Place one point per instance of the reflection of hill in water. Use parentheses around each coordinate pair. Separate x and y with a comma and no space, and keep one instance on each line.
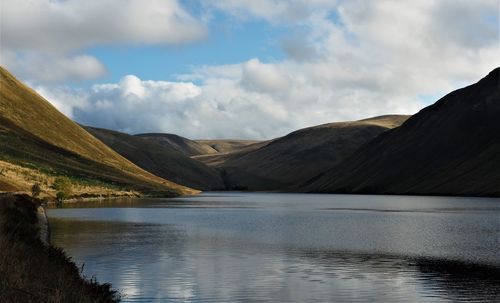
(456,281)
(168,262)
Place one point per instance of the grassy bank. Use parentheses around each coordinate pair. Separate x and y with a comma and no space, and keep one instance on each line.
(32,272)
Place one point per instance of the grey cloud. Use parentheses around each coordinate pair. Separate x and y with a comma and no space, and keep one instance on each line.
(60,26)
(46,68)
(467,24)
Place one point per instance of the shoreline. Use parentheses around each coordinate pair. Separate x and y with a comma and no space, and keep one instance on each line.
(34,270)
(43,225)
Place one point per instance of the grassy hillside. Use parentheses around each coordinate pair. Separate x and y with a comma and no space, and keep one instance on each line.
(34,134)
(300,155)
(17,178)
(228,146)
(160,159)
(449,148)
(183,145)
(197,147)
(219,158)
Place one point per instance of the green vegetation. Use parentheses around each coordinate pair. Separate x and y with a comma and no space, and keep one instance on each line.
(63,188)
(33,272)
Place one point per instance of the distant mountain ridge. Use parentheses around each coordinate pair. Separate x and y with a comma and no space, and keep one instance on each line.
(449,148)
(197,147)
(298,156)
(164,160)
(178,143)
(228,145)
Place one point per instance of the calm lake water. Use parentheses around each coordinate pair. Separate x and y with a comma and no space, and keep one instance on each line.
(270,247)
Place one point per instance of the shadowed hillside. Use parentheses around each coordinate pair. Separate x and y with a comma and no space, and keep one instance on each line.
(228,146)
(178,143)
(221,157)
(299,155)
(197,147)
(449,148)
(35,134)
(161,159)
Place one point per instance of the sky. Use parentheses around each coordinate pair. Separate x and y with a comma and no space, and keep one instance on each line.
(245,69)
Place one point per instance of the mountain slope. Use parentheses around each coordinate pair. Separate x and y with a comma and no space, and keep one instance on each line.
(229,152)
(178,143)
(161,160)
(33,133)
(197,147)
(302,154)
(449,148)
(228,146)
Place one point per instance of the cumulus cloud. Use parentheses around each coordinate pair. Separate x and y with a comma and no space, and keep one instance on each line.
(235,102)
(36,34)
(345,60)
(260,77)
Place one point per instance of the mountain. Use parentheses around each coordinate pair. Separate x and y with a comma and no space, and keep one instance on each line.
(163,160)
(36,135)
(229,152)
(228,146)
(197,147)
(449,148)
(178,143)
(300,155)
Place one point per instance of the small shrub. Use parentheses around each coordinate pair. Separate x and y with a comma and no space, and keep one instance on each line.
(63,187)
(36,190)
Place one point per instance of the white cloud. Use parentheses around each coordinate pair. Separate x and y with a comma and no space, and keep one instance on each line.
(260,77)
(65,99)
(346,60)
(46,68)
(41,39)
(223,106)
(130,86)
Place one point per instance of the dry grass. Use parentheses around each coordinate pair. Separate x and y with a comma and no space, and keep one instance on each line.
(227,146)
(15,178)
(32,272)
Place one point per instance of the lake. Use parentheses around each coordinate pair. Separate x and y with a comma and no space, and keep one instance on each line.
(274,247)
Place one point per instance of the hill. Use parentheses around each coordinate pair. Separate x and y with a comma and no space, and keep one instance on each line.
(36,135)
(300,155)
(449,148)
(178,143)
(228,146)
(163,160)
(220,157)
(197,147)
